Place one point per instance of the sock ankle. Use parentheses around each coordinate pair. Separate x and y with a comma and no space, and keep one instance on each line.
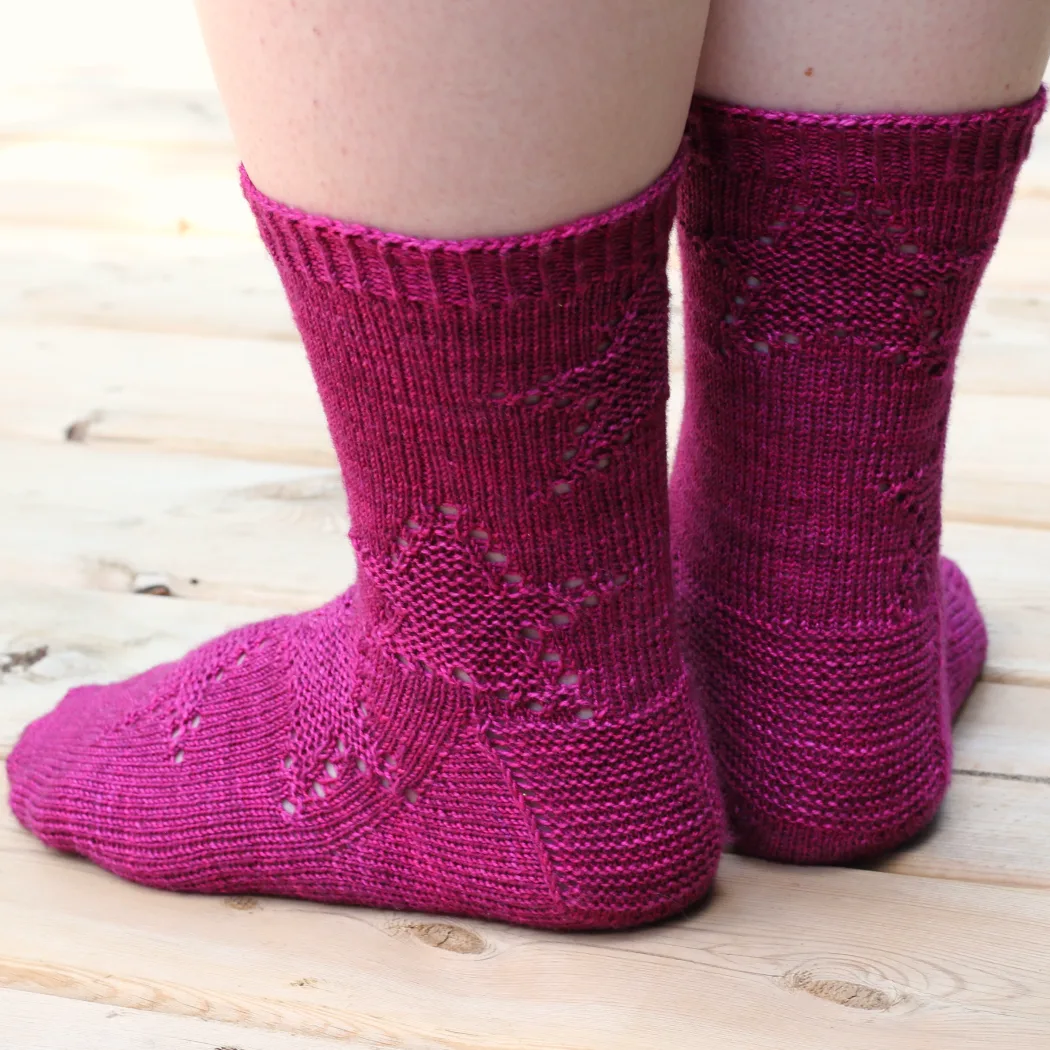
(829,264)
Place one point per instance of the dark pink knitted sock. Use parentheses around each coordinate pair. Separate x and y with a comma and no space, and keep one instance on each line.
(830,263)
(494,720)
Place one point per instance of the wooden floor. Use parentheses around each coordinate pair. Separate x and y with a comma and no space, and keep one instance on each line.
(159,433)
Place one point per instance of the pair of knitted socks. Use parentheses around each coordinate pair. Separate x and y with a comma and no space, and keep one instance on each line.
(497,719)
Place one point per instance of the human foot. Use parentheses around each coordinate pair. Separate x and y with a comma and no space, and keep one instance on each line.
(495,720)
(829,266)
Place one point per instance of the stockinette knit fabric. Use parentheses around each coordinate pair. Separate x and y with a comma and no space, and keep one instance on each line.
(495,720)
(829,266)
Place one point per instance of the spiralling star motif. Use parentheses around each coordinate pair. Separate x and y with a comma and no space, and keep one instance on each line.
(448,604)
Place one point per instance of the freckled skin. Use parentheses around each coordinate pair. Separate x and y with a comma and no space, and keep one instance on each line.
(896,56)
(446,118)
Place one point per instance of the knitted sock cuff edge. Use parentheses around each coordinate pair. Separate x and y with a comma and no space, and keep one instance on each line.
(558,263)
(881,147)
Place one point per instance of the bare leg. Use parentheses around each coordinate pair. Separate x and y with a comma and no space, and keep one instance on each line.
(455,119)
(853,56)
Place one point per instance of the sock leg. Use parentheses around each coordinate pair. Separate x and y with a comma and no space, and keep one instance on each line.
(495,719)
(830,263)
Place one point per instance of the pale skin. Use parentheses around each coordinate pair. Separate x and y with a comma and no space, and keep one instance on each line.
(465,118)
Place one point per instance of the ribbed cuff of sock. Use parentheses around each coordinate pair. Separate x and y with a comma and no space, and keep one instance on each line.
(558,263)
(844,148)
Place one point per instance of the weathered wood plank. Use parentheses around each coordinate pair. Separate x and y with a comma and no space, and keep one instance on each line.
(780,959)
(34,1021)
(1010,571)
(192,286)
(224,530)
(990,829)
(1005,730)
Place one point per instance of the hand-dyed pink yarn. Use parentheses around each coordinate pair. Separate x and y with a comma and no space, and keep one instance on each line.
(830,263)
(495,720)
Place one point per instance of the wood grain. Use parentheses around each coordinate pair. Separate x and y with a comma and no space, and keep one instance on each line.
(779,959)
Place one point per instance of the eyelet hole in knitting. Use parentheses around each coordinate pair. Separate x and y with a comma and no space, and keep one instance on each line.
(479,535)
(730,319)
(177,733)
(909,249)
(287,761)
(560,619)
(385,782)
(574,583)
(532,398)
(219,675)
(551,657)
(585,714)
(362,765)
(331,771)
(503,693)
(900,358)
(602,463)
(568,454)
(739,300)
(562,488)
(791,340)
(195,722)
(562,402)
(546,378)
(753,282)
(495,557)
(933,335)
(288,806)
(411,795)
(590,599)
(412,525)
(569,678)
(512,579)
(918,291)
(498,395)
(462,676)
(534,706)
(884,486)
(447,510)
(241,657)
(604,345)
(591,404)
(340,746)
(318,789)
(760,347)
(581,428)
(764,239)
(179,756)
(530,634)
(624,438)
(620,579)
